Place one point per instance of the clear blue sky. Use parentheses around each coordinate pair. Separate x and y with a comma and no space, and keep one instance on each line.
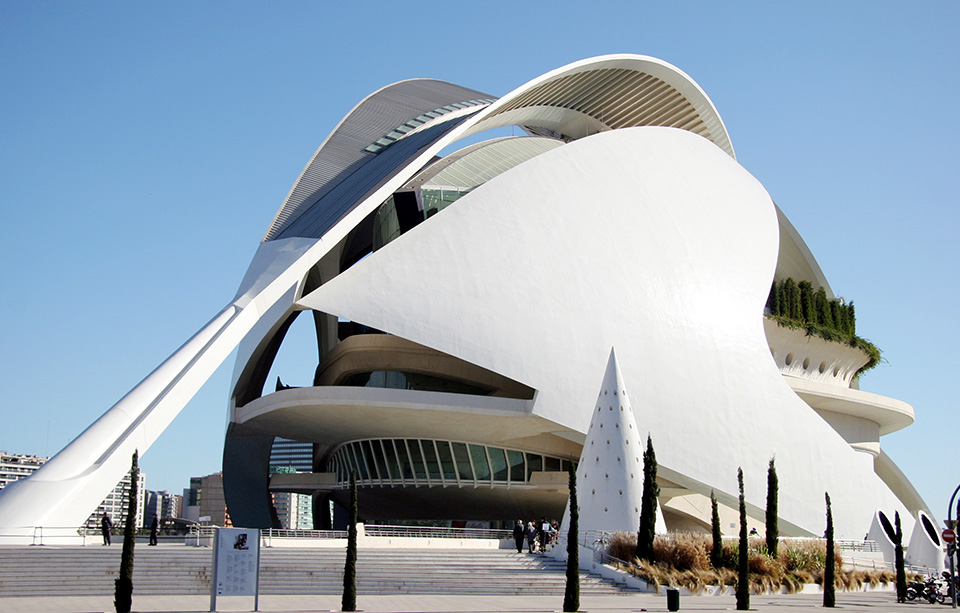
(145,147)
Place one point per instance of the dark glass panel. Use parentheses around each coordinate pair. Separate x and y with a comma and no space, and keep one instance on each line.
(430,456)
(515,459)
(462,457)
(498,463)
(446,460)
(416,458)
(480,464)
(534,463)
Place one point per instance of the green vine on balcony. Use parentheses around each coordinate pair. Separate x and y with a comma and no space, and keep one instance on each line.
(796,305)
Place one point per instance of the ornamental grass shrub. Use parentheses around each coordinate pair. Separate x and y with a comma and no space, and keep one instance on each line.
(682,559)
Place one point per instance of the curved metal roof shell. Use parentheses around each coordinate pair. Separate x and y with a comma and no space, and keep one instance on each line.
(606,93)
(478,163)
(344,150)
(582,98)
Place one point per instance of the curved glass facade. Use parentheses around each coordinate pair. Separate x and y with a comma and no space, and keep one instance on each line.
(402,462)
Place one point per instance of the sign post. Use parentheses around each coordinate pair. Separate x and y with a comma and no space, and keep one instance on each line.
(236,565)
(952,548)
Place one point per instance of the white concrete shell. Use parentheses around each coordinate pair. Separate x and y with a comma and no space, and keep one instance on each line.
(510,301)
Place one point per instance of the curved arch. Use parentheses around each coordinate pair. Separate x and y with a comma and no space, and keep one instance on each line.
(343,152)
(607,93)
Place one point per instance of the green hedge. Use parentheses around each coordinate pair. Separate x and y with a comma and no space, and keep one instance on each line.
(797,306)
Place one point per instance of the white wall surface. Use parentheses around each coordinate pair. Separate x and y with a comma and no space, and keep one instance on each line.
(648,239)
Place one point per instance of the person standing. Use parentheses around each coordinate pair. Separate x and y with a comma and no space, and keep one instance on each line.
(105,526)
(518,534)
(154,529)
(531,536)
(541,536)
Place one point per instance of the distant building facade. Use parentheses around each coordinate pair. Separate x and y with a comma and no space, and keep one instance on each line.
(14,466)
(293,454)
(204,499)
(115,504)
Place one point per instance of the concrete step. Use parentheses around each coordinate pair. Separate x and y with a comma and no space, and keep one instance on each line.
(172,569)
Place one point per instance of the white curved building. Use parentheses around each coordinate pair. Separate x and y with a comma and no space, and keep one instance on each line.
(465,306)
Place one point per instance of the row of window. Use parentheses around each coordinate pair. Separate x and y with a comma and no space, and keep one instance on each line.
(429,462)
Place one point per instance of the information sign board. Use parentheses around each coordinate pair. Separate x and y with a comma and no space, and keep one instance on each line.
(236,563)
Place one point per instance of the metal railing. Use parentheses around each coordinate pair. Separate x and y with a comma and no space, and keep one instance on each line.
(865,546)
(437,532)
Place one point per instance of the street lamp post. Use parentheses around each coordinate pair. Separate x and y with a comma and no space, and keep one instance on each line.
(952,548)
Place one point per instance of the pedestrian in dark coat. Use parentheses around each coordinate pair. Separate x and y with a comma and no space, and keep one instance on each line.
(518,534)
(105,525)
(154,529)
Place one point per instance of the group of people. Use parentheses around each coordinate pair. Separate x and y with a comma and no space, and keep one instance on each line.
(106,525)
(537,534)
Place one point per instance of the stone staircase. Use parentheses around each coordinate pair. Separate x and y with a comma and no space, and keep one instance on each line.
(182,570)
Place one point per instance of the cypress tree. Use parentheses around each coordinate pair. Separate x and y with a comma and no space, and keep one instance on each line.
(807,311)
(716,554)
(123,587)
(851,319)
(743,561)
(773,300)
(349,600)
(822,306)
(773,530)
(571,593)
(782,297)
(835,315)
(648,504)
(829,581)
(898,560)
(792,292)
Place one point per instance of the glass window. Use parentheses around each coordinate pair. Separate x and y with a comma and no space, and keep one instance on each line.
(358,463)
(430,456)
(374,459)
(498,463)
(463,461)
(446,460)
(416,458)
(551,464)
(389,458)
(534,463)
(515,459)
(480,464)
(404,460)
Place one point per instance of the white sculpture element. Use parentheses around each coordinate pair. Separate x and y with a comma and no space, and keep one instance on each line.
(883,533)
(610,472)
(925,548)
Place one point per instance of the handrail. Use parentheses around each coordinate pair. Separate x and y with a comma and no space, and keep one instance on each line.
(437,532)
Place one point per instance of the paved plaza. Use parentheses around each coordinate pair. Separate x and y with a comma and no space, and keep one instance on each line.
(408,603)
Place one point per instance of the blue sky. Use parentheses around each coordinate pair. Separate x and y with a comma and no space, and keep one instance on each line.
(145,147)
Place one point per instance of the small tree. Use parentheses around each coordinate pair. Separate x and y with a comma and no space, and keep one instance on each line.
(773,531)
(571,593)
(716,554)
(898,560)
(773,300)
(648,504)
(807,311)
(792,308)
(349,601)
(743,562)
(829,585)
(123,587)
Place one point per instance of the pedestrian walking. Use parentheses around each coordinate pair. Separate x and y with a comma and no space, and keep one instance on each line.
(105,526)
(154,529)
(518,534)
